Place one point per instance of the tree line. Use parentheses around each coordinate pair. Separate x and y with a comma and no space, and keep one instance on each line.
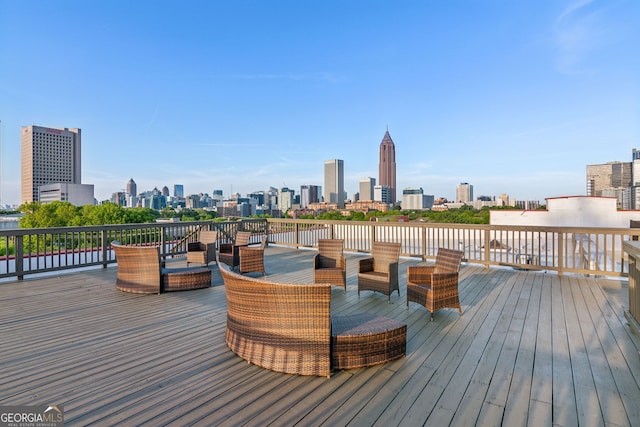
(64,214)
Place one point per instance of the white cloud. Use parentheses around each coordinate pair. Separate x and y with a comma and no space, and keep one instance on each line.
(578,32)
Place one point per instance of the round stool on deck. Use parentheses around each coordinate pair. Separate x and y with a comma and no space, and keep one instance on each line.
(364,339)
(183,279)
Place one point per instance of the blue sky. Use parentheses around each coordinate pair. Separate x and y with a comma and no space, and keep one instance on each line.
(512,96)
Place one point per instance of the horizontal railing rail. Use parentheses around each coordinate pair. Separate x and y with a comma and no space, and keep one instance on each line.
(579,250)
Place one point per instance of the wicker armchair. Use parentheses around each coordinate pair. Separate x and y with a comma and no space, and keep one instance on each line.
(379,272)
(140,271)
(229,253)
(330,265)
(436,286)
(252,258)
(204,250)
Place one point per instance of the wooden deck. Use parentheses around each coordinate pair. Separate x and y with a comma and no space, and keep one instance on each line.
(530,349)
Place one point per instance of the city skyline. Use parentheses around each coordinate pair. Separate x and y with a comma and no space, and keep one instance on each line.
(512,97)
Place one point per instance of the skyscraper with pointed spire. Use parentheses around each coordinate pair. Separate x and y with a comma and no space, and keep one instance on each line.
(387,167)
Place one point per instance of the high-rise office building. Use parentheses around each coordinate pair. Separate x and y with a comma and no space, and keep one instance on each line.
(382,193)
(413,198)
(608,176)
(464,193)
(132,188)
(178,190)
(366,188)
(49,156)
(285,199)
(334,182)
(309,194)
(387,167)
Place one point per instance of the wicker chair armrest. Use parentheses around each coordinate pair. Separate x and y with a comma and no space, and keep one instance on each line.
(365,265)
(393,269)
(322,261)
(249,250)
(441,281)
(420,273)
(225,247)
(317,261)
(236,248)
(195,246)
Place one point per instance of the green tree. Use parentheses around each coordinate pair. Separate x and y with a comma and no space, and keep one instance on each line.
(140,215)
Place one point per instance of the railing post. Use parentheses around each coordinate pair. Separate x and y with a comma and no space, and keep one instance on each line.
(266,229)
(296,236)
(632,315)
(373,236)
(104,247)
(487,247)
(561,262)
(424,242)
(163,243)
(19,257)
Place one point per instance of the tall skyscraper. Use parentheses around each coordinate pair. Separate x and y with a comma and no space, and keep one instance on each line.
(334,182)
(49,156)
(178,190)
(309,194)
(464,193)
(132,188)
(387,167)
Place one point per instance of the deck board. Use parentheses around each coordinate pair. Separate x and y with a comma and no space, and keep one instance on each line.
(530,348)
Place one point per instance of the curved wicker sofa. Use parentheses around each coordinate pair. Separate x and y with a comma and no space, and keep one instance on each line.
(288,328)
(140,271)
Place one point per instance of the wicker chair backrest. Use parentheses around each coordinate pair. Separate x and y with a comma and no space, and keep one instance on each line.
(207,236)
(332,248)
(448,261)
(138,267)
(384,254)
(242,238)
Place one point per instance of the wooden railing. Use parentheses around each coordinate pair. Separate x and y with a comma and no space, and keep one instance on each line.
(633,314)
(596,251)
(561,249)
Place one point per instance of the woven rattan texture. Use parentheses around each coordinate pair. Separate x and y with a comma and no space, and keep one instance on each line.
(282,327)
(204,250)
(252,258)
(330,265)
(364,339)
(436,286)
(379,272)
(140,271)
(229,253)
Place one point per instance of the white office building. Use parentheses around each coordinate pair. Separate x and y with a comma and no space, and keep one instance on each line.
(464,193)
(76,194)
(382,193)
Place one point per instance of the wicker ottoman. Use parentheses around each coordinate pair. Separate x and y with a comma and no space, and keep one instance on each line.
(365,339)
(184,279)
